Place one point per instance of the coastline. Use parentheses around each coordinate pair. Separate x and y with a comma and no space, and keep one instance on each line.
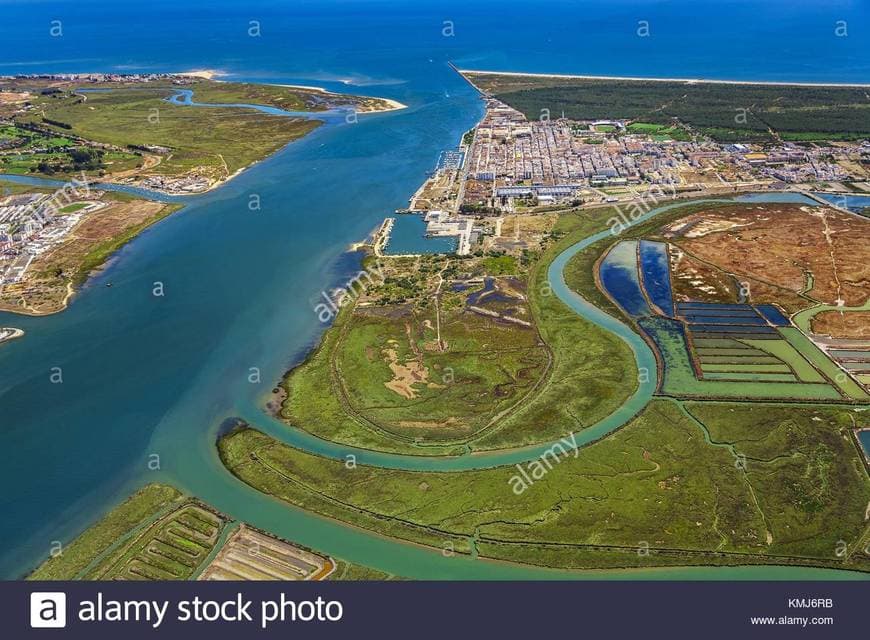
(8,334)
(205,74)
(394,105)
(77,284)
(558,76)
(73,288)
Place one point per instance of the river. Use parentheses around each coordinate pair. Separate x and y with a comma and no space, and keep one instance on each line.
(195,467)
(149,376)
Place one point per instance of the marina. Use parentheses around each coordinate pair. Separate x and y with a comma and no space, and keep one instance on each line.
(150,378)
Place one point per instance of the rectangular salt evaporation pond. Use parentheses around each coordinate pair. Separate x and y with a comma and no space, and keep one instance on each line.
(783,197)
(619,276)
(409,236)
(732,328)
(724,319)
(858,204)
(714,307)
(773,315)
(864,438)
(716,313)
(656,270)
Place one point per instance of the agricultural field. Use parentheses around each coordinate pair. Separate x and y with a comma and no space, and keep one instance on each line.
(800,113)
(158,533)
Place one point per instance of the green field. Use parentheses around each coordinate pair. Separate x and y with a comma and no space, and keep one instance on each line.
(41,151)
(72,208)
(664,480)
(659,131)
(146,504)
(221,139)
(485,368)
(492,366)
(172,548)
(794,112)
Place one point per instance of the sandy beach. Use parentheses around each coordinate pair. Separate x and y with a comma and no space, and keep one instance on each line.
(641,79)
(394,105)
(10,333)
(207,74)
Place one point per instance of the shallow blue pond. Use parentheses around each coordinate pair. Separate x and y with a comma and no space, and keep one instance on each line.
(620,278)
(657,274)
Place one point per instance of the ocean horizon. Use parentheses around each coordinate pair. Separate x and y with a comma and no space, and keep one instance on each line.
(144,378)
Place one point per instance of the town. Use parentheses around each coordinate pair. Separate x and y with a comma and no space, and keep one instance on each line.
(33,223)
(509,164)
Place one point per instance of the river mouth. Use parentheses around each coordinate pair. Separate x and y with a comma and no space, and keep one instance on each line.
(189,458)
(206,356)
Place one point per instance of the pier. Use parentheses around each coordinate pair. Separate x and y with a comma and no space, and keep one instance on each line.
(382,236)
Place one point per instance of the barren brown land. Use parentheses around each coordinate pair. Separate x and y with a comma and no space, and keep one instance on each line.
(839,324)
(249,554)
(817,252)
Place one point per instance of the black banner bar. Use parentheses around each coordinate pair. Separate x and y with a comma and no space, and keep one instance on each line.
(417,610)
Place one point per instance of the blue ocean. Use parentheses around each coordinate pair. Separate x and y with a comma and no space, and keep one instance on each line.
(146,375)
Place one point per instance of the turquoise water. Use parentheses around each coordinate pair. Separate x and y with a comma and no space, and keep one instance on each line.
(145,375)
(409,236)
(796,198)
(184,97)
(858,204)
